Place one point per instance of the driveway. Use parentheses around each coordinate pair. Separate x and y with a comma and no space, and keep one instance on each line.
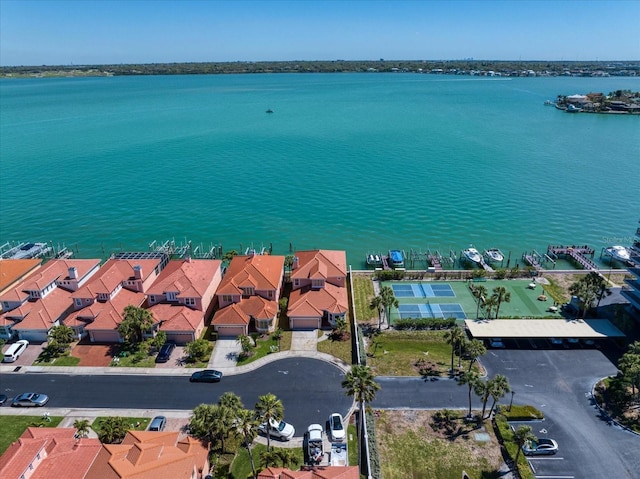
(225,354)
(304,340)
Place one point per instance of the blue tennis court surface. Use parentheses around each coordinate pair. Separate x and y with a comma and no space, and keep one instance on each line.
(422,290)
(427,310)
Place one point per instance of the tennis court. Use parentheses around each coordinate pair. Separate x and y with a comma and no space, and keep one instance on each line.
(428,310)
(422,290)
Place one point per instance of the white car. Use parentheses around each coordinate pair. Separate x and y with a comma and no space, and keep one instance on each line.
(336,427)
(278,429)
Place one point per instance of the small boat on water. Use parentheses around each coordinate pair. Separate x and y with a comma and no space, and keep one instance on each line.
(396,258)
(269,111)
(571,108)
(374,259)
(494,255)
(472,255)
(619,253)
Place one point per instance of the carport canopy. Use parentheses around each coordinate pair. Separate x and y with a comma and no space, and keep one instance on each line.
(543,328)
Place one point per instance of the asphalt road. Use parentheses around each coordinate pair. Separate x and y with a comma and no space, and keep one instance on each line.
(309,389)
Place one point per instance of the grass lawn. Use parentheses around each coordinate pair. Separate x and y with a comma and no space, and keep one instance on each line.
(12,427)
(60,361)
(363,294)
(339,349)
(410,447)
(352,441)
(398,352)
(264,345)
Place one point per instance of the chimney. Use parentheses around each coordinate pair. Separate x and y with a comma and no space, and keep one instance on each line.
(137,272)
(73,272)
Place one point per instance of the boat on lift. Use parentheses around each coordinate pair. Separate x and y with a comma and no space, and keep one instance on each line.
(619,253)
(494,255)
(396,258)
(472,255)
(374,259)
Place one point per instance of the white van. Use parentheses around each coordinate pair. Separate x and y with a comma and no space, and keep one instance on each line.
(14,351)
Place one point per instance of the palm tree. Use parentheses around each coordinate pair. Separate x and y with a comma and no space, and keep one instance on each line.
(376,304)
(211,422)
(82,427)
(269,459)
(454,337)
(246,425)
(489,304)
(471,379)
(501,295)
(480,293)
(388,301)
(499,388)
(360,383)
(521,436)
(269,408)
(135,321)
(474,349)
(232,401)
(113,430)
(287,457)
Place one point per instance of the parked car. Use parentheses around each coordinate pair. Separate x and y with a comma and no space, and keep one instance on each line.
(496,343)
(542,446)
(336,427)
(14,351)
(315,444)
(158,423)
(278,429)
(556,342)
(206,376)
(3,399)
(30,400)
(165,352)
(573,342)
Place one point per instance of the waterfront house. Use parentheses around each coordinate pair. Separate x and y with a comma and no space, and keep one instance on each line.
(98,305)
(248,295)
(44,452)
(319,295)
(311,472)
(183,297)
(43,299)
(151,455)
(14,271)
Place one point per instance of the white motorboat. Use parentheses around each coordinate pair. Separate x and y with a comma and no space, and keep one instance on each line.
(494,255)
(619,253)
(472,255)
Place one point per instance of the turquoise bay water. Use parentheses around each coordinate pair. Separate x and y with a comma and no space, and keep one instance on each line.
(361,162)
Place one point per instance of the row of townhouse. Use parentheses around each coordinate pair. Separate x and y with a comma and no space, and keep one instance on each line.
(182,295)
(44,453)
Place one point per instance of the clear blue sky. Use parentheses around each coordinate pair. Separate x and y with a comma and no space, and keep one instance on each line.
(54,32)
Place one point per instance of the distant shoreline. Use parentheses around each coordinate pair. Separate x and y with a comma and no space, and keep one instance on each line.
(452,67)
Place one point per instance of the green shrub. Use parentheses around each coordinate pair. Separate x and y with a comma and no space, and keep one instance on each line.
(421,324)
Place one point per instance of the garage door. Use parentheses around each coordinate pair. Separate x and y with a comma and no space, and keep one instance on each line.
(232,331)
(304,323)
(180,338)
(104,336)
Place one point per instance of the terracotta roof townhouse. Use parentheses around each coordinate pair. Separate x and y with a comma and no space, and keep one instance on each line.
(151,455)
(45,453)
(248,295)
(311,472)
(319,295)
(183,296)
(98,305)
(43,299)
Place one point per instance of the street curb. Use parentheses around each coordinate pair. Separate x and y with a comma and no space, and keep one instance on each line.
(604,413)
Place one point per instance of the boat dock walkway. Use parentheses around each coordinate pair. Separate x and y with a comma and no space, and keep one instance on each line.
(577,253)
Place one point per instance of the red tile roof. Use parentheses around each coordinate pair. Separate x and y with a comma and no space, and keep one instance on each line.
(262,272)
(109,313)
(176,317)
(113,273)
(189,278)
(239,313)
(311,472)
(61,455)
(320,264)
(150,455)
(313,302)
(42,314)
(12,270)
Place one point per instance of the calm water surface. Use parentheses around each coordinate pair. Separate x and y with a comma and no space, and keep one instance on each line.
(361,162)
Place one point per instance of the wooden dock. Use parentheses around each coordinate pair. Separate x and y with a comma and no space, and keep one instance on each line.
(577,253)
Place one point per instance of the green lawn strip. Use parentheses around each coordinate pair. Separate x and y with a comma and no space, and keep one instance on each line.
(339,349)
(363,293)
(397,353)
(352,441)
(135,423)
(413,453)
(241,467)
(12,427)
(59,361)
(504,429)
(135,361)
